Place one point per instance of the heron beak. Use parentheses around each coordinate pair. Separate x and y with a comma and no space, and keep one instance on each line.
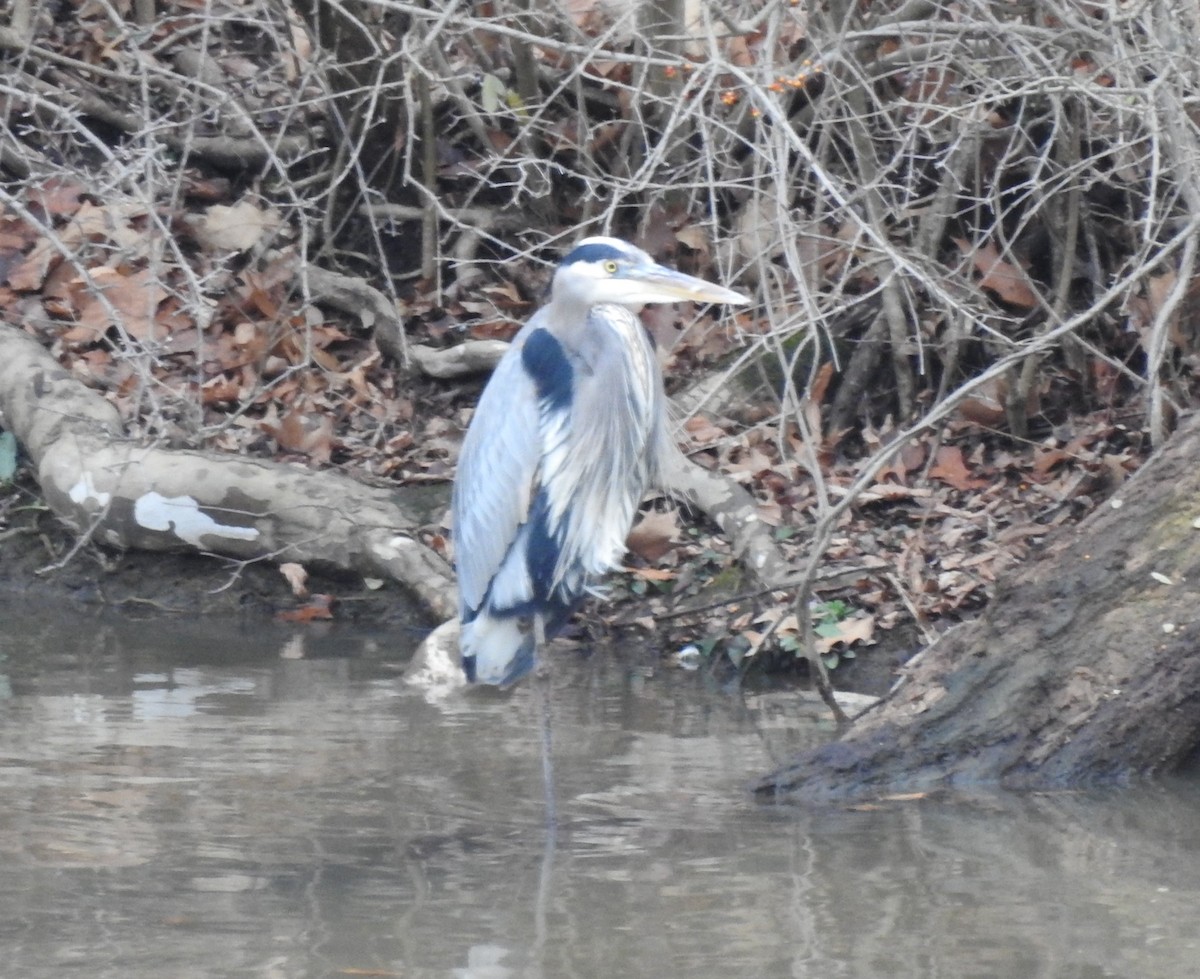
(675,287)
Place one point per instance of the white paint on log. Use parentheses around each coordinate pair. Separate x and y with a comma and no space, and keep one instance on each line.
(182,515)
(86,490)
(392,548)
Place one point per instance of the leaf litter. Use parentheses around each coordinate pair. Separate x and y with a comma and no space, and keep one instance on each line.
(253,369)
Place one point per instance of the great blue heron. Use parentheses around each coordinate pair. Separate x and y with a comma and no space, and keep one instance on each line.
(568,433)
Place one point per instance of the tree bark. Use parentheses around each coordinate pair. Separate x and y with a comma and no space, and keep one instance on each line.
(1085,668)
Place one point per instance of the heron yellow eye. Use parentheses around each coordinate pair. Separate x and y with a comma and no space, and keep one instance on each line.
(610,267)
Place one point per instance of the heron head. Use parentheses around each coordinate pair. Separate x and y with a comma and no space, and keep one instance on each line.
(608,270)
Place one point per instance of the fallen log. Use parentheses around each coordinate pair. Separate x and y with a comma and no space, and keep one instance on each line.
(130,495)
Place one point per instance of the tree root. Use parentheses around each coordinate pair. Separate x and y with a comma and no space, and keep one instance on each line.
(472,357)
(358,298)
(732,509)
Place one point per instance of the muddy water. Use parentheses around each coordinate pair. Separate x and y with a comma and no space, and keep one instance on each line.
(185,800)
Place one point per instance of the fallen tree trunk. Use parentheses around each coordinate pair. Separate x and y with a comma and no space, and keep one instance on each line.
(1085,668)
(129,495)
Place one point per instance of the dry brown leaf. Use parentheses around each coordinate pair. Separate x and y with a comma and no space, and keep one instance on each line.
(505,295)
(820,384)
(318,607)
(849,631)
(703,431)
(305,432)
(986,406)
(206,189)
(1008,281)
(653,574)
(952,470)
(786,623)
(654,535)
(695,237)
(15,236)
(769,512)
(111,222)
(29,274)
(891,492)
(134,298)
(58,196)
(913,454)
(236,227)
(1047,459)
(1158,289)
(248,342)
(219,390)
(748,464)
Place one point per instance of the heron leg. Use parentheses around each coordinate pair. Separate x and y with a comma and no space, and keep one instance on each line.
(540,668)
(541,683)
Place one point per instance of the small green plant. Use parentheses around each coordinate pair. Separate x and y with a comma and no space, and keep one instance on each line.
(827,615)
(827,618)
(827,623)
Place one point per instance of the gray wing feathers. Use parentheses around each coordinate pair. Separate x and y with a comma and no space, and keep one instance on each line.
(497,467)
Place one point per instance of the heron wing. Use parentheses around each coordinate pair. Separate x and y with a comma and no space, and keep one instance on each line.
(496,471)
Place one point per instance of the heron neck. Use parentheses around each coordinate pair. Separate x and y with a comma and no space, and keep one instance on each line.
(568,317)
